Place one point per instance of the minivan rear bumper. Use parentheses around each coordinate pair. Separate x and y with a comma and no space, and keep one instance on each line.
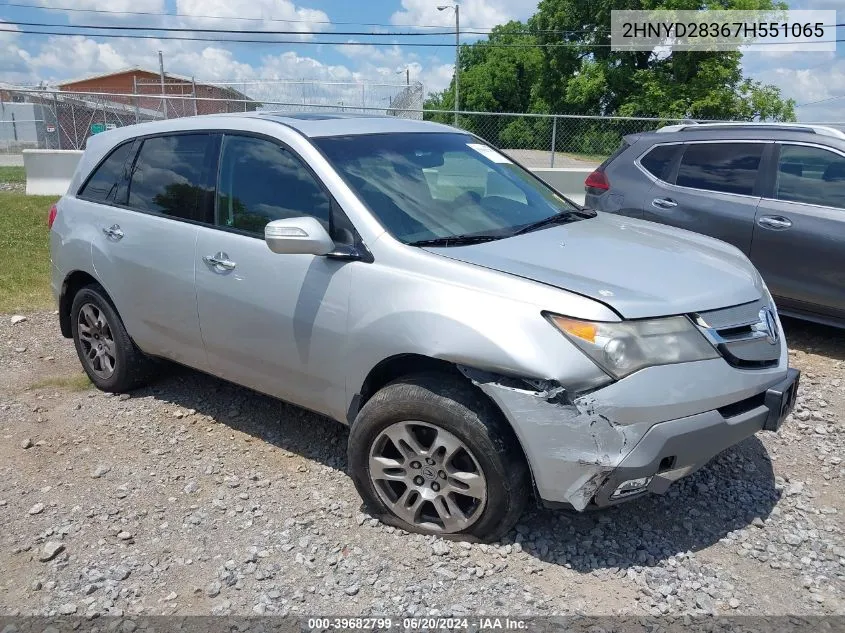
(581,452)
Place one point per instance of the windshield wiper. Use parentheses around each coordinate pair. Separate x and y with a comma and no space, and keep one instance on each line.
(457,240)
(558,218)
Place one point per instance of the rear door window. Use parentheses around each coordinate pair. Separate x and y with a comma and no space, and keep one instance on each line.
(656,161)
(811,175)
(171,176)
(106,179)
(722,167)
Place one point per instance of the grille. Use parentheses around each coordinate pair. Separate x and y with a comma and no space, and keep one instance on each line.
(747,335)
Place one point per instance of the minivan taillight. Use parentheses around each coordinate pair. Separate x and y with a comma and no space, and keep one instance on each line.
(597,182)
(51,217)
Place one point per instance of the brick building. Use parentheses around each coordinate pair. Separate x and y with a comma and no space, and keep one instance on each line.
(210,99)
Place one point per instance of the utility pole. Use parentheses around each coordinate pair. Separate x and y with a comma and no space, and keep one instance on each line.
(407,75)
(161,78)
(457,9)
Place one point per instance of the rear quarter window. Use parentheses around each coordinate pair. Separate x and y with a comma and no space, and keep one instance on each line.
(656,161)
(107,177)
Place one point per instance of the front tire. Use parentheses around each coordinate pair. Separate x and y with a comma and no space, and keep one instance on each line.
(108,355)
(430,454)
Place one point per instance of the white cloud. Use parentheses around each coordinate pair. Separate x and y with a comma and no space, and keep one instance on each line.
(480,14)
(262,15)
(822,82)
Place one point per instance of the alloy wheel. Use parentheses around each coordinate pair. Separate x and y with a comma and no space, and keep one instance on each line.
(96,340)
(427,476)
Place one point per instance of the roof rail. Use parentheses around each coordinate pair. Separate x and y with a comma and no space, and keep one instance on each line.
(797,127)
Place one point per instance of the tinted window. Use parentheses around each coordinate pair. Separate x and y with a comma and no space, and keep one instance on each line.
(170,176)
(429,186)
(726,167)
(260,182)
(657,160)
(811,175)
(103,183)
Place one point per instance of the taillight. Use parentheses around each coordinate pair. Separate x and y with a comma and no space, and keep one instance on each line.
(51,217)
(597,182)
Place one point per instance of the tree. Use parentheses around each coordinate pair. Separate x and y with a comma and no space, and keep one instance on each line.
(586,77)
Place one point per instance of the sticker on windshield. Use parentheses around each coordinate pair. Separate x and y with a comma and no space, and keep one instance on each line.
(489,153)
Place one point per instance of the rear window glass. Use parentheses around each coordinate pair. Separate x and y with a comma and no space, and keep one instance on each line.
(105,180)
(722,167)
(170,177)
(811,175)
(656,161)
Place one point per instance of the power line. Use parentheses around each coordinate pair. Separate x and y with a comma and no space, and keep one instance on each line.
(467,31)
(223,17)
(298,42)
(112,27)
(809,103)
(575,45)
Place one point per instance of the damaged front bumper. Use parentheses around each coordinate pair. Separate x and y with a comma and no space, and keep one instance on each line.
(639,434)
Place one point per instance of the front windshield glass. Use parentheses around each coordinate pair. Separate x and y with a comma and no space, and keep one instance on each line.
(439,186)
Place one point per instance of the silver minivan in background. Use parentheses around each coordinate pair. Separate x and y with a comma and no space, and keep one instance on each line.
(486,340)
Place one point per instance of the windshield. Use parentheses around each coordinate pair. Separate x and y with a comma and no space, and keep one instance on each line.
(443,187)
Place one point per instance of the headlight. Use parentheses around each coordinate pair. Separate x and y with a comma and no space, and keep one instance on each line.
(622,348)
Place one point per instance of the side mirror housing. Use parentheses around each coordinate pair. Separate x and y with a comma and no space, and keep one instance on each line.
(298,236)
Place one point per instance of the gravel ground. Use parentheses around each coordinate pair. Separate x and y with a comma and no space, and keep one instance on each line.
(195,496)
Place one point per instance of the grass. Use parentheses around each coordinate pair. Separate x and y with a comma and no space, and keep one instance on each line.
(74,382)
(25,252)
(12,174)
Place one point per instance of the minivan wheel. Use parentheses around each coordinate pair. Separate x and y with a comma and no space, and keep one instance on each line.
(108,355)
(430,454)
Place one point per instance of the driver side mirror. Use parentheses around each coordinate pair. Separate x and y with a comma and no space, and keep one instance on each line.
(298,236)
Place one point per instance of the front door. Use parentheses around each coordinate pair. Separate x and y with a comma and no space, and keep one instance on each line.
(800,231)
(272,322)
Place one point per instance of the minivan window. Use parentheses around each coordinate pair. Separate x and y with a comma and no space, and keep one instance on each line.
(103,183)
(261,181)
(723,167)
(657,160)
(170,176)
(443,187)
(811,175)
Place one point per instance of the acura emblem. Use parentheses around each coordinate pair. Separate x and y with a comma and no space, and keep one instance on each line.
(767,325)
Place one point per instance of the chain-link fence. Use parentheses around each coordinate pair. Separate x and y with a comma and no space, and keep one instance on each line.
(31,118)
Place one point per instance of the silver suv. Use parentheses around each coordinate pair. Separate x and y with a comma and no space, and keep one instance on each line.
(483,337)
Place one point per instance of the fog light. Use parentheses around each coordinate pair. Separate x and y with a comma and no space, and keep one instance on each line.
(631,487)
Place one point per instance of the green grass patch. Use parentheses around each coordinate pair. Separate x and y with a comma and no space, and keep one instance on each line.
(25,252)
(74,382)
(12,174)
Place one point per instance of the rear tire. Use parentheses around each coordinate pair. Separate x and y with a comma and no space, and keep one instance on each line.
(108,355)
(430,454)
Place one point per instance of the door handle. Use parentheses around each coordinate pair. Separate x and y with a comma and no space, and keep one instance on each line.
(664,203)
(113,232)
(777,222)
(219,262)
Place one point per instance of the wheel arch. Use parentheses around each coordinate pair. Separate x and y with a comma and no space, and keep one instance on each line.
(402,365)
(72,283)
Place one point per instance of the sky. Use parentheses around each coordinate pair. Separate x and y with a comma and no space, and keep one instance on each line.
(816,79)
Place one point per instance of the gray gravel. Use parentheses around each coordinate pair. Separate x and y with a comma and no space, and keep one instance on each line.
(195,496)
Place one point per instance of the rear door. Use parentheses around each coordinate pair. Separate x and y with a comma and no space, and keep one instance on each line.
(800,230)
(143,243)
(713,189)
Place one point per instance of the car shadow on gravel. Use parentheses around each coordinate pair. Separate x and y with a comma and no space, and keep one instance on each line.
(728,494)
(814,338)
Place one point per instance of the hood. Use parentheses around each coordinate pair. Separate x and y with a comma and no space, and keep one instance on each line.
(640,269)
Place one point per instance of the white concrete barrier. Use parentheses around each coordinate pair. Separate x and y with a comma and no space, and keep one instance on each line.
(568,180)
(48,171)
